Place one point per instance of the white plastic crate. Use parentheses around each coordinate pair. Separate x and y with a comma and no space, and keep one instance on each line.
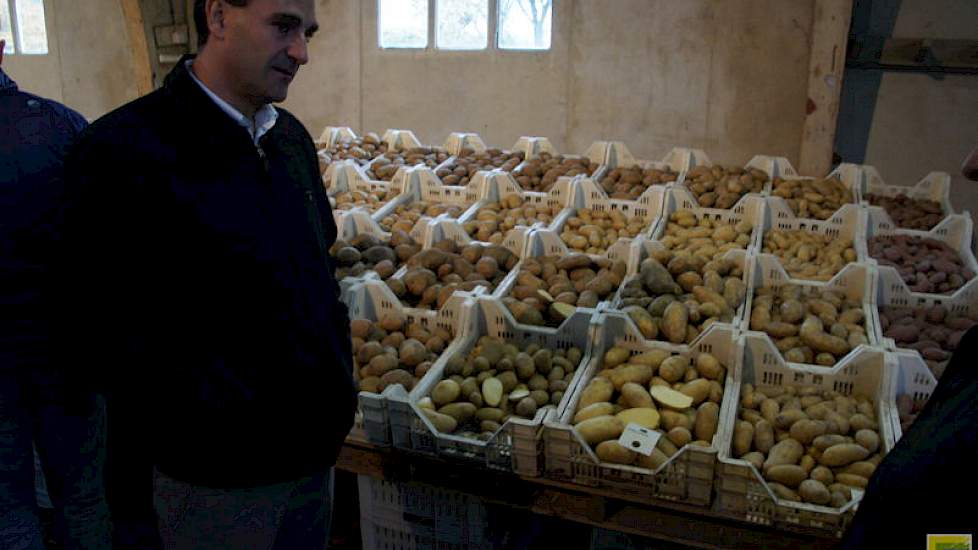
(545,243)
(533,146)
(935,186)
(750,208)
(894,293)
(336,134)
(956,230)
(414,516)
(371,299)
(399,140)
(645,248)
(741,491)
(347,175)
(500,185)
(688,475)
(422,185)
(848,224)
(649,209)
(857,281)
(516,446)
(848,174)
(909,375)
(456,141)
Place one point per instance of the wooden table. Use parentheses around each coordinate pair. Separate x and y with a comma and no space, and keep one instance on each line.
(667,521)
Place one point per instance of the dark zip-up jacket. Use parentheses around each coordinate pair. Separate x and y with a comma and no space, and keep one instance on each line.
(35,135)
(198,288)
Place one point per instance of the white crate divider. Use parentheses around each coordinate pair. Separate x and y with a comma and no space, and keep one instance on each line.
(456,141)
(422,185)
(516,446)
(687,476)
(857,281)
(909,375)
(741,491)
(848,223)
(956,230)
(409,516)
(372,299)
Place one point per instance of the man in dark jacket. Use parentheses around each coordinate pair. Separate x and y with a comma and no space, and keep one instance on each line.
(199,293)
(38,408)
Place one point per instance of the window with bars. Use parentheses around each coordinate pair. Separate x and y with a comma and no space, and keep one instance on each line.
(23,28)
(465,24)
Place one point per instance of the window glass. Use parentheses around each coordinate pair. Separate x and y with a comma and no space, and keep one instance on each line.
(6,29)
(525,24)
(403,23)
(463,24)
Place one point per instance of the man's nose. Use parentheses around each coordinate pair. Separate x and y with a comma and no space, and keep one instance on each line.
(299,50)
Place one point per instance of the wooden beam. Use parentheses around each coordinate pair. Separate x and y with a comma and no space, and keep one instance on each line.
(142,71)
(830,31)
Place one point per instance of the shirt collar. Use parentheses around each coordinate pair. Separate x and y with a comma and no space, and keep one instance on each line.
(265,117)
(7,83)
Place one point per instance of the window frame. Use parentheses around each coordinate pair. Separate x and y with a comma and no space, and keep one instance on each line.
(16,44)
(492,30)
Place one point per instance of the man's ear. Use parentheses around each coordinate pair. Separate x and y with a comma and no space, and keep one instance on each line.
(216,11)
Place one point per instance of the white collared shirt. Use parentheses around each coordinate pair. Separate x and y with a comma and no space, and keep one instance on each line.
(265,117)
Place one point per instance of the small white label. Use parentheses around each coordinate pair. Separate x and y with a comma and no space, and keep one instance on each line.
(857,494)
(639,439)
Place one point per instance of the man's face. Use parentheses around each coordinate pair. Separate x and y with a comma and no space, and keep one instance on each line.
(266,42)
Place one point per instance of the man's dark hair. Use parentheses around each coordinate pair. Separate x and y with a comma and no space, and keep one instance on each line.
(200,19)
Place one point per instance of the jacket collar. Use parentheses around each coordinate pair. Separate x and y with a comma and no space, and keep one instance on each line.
(7,84)
(191,99)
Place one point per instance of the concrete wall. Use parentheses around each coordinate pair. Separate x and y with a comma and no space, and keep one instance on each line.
(923,124)
(727,77)
(89,62)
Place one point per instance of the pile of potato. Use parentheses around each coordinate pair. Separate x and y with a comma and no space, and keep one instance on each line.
(595,231)
(704,237)
(498,380)
(926,265)
(495,219)
(811,445)
(721,186)
(675,297)
(387,164)
(630,182)
(369,200)
(434,274)
(541,172)
(367,252)
(809,325)
(549,289)
(464,166)
(362,149)
(812,198)
(808,255)
(932,331)
(921,214)
(675,395)
(405,216)
(394,351)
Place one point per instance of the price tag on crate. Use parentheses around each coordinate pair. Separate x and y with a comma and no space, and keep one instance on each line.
(639,439)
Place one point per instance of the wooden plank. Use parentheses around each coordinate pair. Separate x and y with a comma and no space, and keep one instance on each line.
(830,30)
(668,521)
(142,72)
